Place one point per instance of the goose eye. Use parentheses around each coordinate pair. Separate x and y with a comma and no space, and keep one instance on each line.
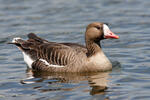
(98,27)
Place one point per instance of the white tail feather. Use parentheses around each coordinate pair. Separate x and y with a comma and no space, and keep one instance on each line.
(15,39)
(28,59)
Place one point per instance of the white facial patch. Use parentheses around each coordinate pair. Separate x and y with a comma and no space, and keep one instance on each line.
(106,29)
(50,65)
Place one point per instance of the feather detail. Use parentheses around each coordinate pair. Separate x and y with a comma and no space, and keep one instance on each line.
(50,65)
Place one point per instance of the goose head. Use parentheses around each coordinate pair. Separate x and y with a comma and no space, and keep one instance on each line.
(97,31)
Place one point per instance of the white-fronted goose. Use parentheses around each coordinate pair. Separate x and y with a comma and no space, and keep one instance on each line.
(42,55)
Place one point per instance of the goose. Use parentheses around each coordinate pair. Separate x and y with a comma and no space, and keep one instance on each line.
(42,55)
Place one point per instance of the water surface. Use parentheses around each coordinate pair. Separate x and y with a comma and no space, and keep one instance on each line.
(65,21)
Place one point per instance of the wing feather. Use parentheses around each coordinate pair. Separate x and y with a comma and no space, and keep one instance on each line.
(57,54)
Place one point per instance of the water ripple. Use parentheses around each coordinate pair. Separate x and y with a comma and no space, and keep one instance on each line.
(65,21)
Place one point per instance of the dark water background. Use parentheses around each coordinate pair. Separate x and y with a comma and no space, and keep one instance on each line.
(65,21)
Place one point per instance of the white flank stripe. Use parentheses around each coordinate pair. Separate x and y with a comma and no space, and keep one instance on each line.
(27,59)
(50,65)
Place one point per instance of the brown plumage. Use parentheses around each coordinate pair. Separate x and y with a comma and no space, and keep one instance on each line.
(43,55)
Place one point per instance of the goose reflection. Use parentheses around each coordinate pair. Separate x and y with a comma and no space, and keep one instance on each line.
(98,82)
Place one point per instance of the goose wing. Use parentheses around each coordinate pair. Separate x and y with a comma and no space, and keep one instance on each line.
(74,46)
(56,54)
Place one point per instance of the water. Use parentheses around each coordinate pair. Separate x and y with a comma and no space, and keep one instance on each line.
(65,21)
